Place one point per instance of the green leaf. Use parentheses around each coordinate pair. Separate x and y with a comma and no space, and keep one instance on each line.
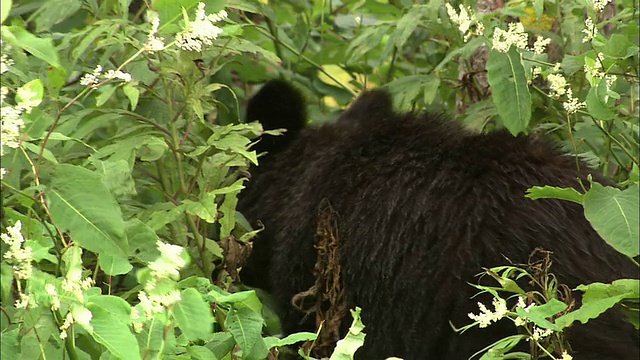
(539,313)
(31,93)
(114,265)
(56,78)
(110,322)
(132,93)
(54,12)
(552,192)
(105,93)
(43,49)
(538,7)
(596,103)
(9,339)
(598,298)
(272,342)
(81,204)
(221,344)
(193,315)
(246,326)
(5,9)
(347,347)
(509,88)
(613,213)
(152,148)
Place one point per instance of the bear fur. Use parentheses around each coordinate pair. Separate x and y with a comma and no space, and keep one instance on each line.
(421,207)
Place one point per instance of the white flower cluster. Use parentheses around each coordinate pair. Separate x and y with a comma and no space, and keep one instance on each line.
(55,299)
(598,5)
(540,45)
(19,257)
(68,321)
(201,32)
(565,356)
(153,43)
(467,22)
(153,300)
(539,334)
(514,36)
(5,63)
(486,316)
(590,31)
(558,87)
(93,80)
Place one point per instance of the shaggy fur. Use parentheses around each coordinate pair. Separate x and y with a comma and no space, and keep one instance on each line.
(422,206)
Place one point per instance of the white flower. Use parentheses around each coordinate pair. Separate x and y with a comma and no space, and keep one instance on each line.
(590,31)
(539,334)
(595,70)
(201,32)
(598,5)
(117,74)
(486,317)
(153,43)
(24,302)
(68,320)
(540,45)
(5,63)
(515,36)
(19,257)
(556,67)
(565,356)
(91,80)
(170,261)
(557,85)
(467,22)
(572,104)
(55,299)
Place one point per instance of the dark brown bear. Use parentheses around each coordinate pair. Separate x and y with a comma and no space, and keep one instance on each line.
(420,206)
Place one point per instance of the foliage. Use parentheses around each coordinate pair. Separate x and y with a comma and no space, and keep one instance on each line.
(123,152)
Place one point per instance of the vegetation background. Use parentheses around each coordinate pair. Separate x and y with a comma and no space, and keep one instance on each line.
(124,149)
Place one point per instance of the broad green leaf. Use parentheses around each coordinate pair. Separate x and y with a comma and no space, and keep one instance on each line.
(43,49)
(72,262)
(114,265)
(152,148)
(552,192)
(243,299)
(510,92)
(81,204)
(56,78)
(193,315)
(105,93)
(246,326)
(347,347)
(143,240)
(598,298)
(110,322)
(596,104)
(31,93)
(206,209)
(222,344)
(5,9)
(613,213)
(54,12)
(538,7)
(9,339)
(405,90)
(539,313)
(200,353)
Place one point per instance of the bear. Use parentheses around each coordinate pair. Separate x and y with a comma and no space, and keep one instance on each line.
(419,207)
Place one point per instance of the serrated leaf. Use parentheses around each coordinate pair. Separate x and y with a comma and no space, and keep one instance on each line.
(613,213)
(81,204)
(193,315)
(110,322)
(510,92)
(552,192)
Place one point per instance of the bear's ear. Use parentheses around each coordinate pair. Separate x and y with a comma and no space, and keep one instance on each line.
(374,104)
(277,105)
